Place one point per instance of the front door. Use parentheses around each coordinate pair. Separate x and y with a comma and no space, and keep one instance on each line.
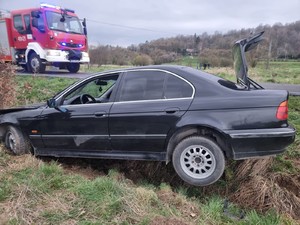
(82,127)
(80,123)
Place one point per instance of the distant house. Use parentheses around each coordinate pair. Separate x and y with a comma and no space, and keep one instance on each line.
(192,52)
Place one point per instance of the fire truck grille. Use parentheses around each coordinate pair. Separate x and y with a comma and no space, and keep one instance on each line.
(70,45)
(74,54)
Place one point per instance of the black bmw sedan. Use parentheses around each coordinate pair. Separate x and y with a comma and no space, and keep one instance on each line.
(166,113)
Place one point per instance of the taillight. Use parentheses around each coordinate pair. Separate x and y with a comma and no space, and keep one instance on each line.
(282,111)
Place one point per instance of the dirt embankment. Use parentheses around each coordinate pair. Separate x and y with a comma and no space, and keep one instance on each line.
(262,190)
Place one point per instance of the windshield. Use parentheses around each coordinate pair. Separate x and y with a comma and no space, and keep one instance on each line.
(70,24)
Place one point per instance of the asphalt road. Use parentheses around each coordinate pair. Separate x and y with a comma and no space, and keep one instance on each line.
(293,89)
(56,73)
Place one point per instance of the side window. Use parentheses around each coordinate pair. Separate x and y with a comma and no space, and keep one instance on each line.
(38,20)
(41,24)
(27,23)
(99,89)
(142,85)
(177,88)
(18,24)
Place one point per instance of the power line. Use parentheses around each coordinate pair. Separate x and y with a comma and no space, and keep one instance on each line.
(130,27)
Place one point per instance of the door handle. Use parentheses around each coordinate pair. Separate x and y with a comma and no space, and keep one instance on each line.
(100,114)
(172,110)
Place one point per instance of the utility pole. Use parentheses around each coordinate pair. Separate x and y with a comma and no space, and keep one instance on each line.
(269,55)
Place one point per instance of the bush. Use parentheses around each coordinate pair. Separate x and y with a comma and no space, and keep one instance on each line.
(142,60)
(7,86)
(216,57)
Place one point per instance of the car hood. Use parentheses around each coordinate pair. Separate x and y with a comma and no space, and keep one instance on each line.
(239,58)
(21,108)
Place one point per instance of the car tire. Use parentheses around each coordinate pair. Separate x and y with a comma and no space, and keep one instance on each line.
(16,142)
(73,67)
(198,160)
(35,64)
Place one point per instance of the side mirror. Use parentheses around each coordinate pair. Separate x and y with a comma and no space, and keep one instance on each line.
(84,22)
(35,14)
(53,104)
(84,26)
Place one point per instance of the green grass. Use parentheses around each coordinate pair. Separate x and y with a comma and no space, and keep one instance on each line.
(33,89)
(285,162)
(279,71)
(191,61)
(95,68)
(36,192)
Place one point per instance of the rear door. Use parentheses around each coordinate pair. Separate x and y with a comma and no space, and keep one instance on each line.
(148,105)
(21,30)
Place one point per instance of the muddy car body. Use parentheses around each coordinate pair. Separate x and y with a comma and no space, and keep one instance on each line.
(165,113)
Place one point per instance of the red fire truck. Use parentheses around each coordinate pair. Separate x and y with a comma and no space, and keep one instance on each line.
(48,35)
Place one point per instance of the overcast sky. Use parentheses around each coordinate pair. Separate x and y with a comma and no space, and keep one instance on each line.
(121,22)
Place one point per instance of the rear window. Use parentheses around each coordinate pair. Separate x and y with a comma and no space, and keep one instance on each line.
(177,88)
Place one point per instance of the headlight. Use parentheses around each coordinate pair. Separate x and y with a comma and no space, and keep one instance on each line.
(53,53)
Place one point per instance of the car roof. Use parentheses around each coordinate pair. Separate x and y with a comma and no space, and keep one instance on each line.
(188,73)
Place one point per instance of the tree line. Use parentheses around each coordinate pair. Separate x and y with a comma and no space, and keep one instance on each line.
(281,42)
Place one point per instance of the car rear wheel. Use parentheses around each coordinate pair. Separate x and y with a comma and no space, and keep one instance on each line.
(15,141)
(198,160)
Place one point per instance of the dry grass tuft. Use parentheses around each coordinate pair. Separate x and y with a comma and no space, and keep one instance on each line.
(59,202)
(187,208)
(261,190)
(22,162)
(253,167)
(20,207)
(7,86)
(140,200)
(159,220)
(29,208)
(86,172)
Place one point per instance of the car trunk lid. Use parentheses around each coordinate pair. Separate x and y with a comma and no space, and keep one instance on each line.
(240,62)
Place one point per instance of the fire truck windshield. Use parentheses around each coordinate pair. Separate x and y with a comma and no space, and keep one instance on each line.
(66,23)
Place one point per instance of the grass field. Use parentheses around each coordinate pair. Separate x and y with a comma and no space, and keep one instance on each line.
(33,191)
(95,68)
(49,191)
(279,72)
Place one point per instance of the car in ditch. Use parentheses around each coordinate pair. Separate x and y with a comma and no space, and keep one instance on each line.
(164,113)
